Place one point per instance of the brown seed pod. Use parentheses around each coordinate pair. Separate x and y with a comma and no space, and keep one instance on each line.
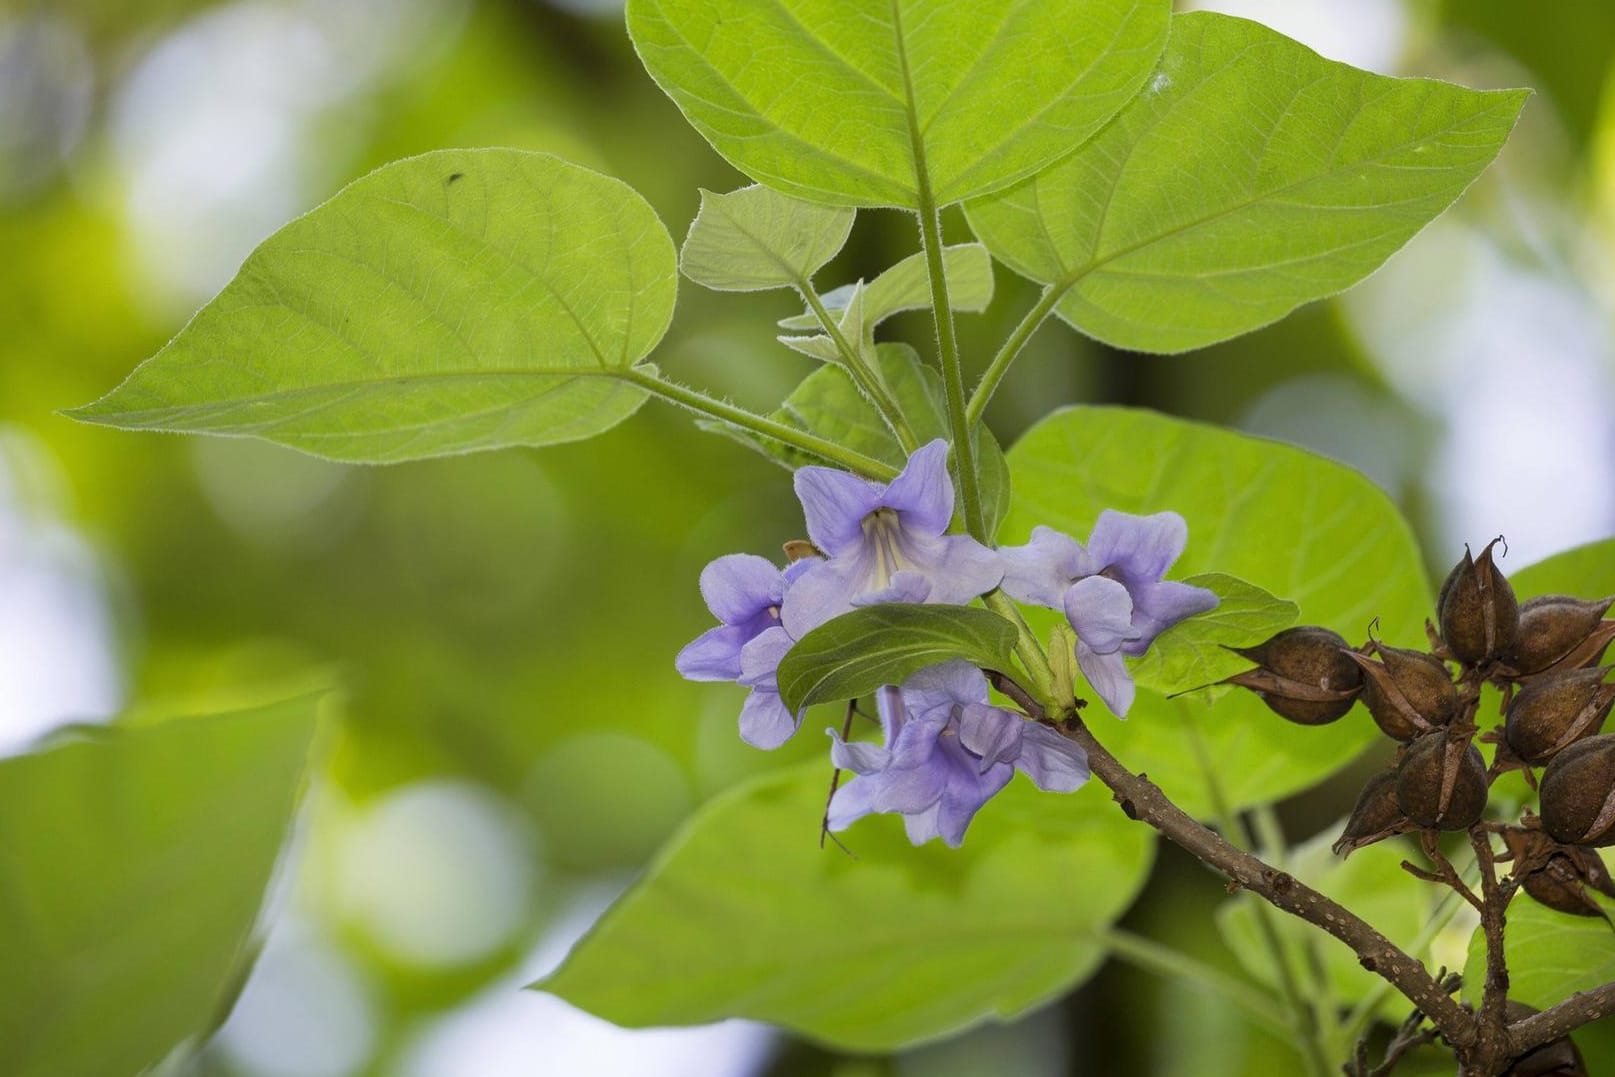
(1407,692)
(1555,710)
(1578,792)
(1302,675)
(1562,882)
(1552,627)
(1556,1058)
(1376,817)
(1479,615)
(1441,783)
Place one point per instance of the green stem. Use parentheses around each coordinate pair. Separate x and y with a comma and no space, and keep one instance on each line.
(799,439)
(1304,1034)
(964,449)
(1006,355)
(1029,649)
(1275,847)
(865,378)
(1169,963)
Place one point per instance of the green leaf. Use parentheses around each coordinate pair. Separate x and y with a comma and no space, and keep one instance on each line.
(132,867)
(1195,652)
(857,652)
(1586,572)
(1371,883)
(460,300)
(743,915)
(1551,955)
(1292,523)
(865,104)
(906,286)
(755,238)
(828,404)
(1251,177)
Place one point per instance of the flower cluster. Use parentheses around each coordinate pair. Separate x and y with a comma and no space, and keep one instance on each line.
(947,749)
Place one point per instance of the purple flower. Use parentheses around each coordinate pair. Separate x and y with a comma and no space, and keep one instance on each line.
(947,752)
(745,593)
(884,543)
(1112,590)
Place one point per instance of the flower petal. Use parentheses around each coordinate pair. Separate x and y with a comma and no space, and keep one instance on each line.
(824,591)
(958,567)
(905,587)
(923,493)
(1040,571)
(943,685)
(1140,548)
(992,734)
(1101,611)
(850,803)
(834,504)
(759,659)
(738,586)
(860,757)
(1109,677)
(921,827)
(963,798)
(1159,606)
(765,721)
(1054,764)
(714,655)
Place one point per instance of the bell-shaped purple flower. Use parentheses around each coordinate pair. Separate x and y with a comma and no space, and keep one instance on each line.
(946,752)
(884,543)
(1112,590)
(745,593)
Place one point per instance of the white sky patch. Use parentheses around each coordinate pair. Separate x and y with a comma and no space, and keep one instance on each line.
(438,873)
(1518,363)
(57,653)
(509,1032)
(1370,34)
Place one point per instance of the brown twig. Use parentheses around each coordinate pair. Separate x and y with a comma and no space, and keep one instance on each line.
(1492,1021)
(1577,1010)
(1142,799)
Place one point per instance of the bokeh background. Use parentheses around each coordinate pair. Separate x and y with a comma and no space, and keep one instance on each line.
(516,743)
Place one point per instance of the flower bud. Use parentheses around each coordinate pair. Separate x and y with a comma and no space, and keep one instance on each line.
(1480,618)
(1376,817)
(1408,692)
(1441,783)
(1552,628)
(1555,710)
(1578,792)
(1302,675)
(1556,1058)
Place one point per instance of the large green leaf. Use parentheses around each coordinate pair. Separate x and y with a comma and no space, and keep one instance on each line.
(1251,177)
(132,866)
(1194,652)
(858,652)
(828,404)
(1586,572)
(743,915)
(1551,955)
(1292,523)
(460,300)
(861,103)
(755,238)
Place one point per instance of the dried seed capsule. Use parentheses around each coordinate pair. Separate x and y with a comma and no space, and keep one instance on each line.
(1551,628)
(1556,1058)
(1408,692)
(1555,710)
(1376,817)
(1578,792)
(1480,618)
(1563,881)
(1441,783)
(1302,675)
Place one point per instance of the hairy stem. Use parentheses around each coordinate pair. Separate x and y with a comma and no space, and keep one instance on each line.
(702,404)
(1006,354)
(863,376)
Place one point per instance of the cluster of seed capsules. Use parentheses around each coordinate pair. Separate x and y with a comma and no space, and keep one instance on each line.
(1543,655)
